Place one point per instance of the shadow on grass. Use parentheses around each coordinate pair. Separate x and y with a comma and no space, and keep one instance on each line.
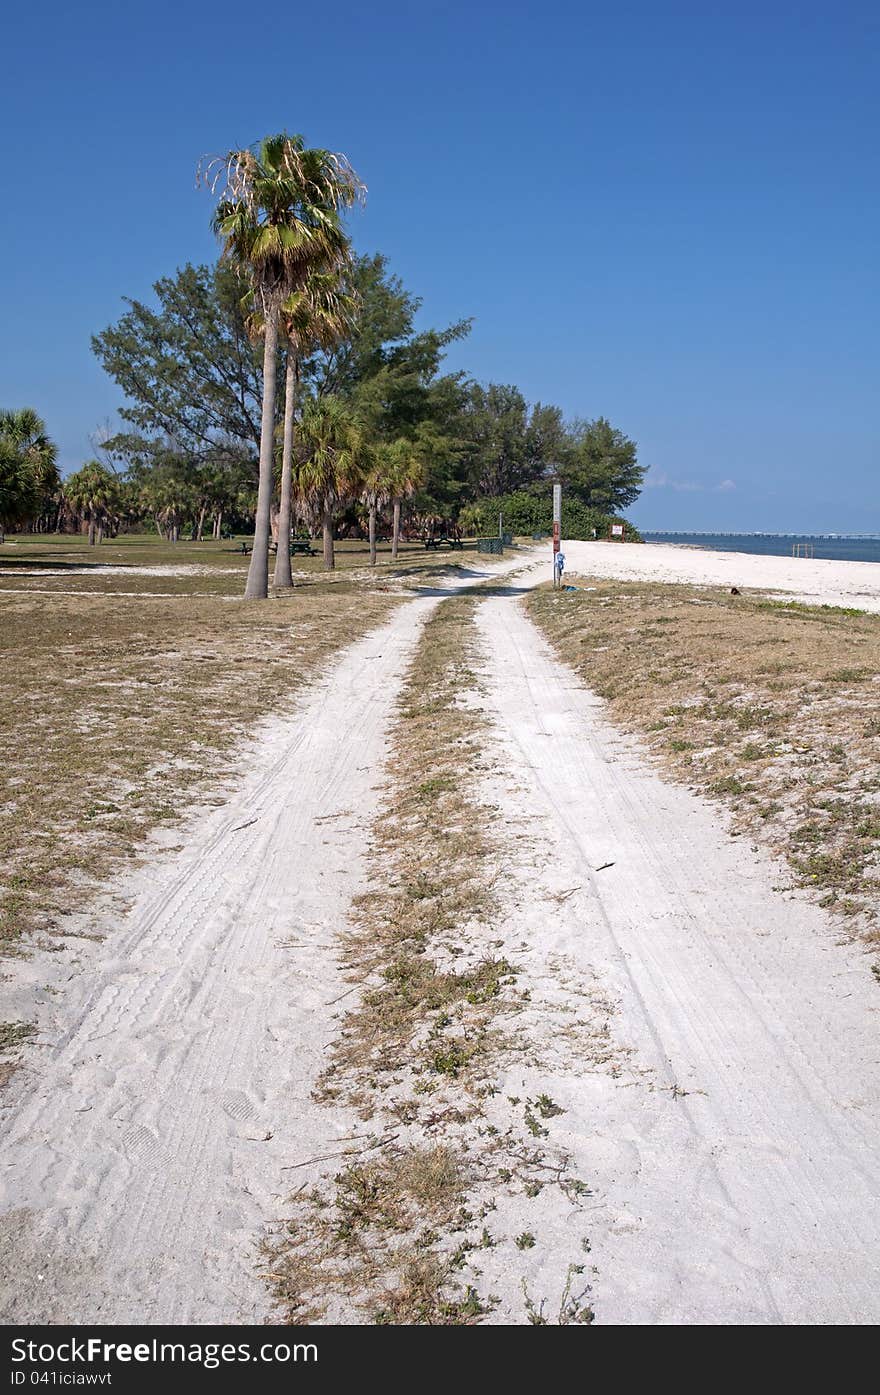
(50,564)
(479,589)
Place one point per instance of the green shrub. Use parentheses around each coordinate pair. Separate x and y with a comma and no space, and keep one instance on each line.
(525,513)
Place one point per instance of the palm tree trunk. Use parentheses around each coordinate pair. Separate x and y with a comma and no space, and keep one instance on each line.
(395,535)
(329,558)
(218,525)
(372,535)
(201,523)
(283,575)
(92,530)
(257,588)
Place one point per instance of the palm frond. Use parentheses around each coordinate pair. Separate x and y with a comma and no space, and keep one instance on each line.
(279,204)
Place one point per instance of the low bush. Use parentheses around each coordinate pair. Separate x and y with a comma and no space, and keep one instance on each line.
(524,513)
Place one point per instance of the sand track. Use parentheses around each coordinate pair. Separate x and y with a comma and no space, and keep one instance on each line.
(146,1152)
(740,1182)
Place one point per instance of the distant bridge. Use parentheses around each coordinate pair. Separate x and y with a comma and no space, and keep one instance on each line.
(715,533)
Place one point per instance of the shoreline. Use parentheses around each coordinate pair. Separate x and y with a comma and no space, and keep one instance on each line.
(808,580)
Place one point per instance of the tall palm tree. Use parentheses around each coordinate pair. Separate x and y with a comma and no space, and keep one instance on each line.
(316,317)
(335,456)
(278,218)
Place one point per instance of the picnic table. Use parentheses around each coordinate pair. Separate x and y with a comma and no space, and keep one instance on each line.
(435,541)
(296,545)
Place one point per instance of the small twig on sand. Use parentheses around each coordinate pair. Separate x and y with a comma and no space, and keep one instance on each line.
(353,989)
(343,1153)
(564,895)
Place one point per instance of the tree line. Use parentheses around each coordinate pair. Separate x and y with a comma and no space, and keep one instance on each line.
(289,383)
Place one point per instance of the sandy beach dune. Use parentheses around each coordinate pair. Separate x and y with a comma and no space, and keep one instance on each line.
(815,581)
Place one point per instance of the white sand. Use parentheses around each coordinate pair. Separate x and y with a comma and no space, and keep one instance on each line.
(729,1131)
(853,584)
(712,1043)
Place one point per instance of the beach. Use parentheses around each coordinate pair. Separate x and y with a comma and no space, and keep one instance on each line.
(854,585)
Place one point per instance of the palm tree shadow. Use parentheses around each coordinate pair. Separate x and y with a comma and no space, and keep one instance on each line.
(434,569)
(477,590)
(45,564)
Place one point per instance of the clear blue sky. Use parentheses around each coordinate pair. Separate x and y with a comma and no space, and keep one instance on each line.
(666,213)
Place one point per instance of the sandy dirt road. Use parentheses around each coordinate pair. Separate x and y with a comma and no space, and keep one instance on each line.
(173,1082)
(736,1162)
(733,1165)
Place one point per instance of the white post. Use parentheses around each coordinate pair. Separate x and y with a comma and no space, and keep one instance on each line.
(557,526)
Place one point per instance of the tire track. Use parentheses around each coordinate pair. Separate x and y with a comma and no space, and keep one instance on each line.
(755,1195)
(133,1190)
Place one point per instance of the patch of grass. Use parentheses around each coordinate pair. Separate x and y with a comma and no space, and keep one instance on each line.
(849,675)
(440,784)
(142,564)
(449,1060)
(751,752)
(573,1308)
(373,1230)
(12,1034)
(727,785)
(548,1108)
(436,839)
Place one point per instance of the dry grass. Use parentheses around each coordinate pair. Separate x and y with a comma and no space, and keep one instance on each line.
(146,566)
(372,1232)
(118,712)
(429,1000)
(772,708)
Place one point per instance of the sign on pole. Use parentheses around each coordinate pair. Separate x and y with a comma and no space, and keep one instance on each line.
(557,525)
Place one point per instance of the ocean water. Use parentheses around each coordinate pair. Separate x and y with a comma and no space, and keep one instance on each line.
(840,547)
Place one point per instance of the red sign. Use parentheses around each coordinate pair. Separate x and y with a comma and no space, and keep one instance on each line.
(556,537)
